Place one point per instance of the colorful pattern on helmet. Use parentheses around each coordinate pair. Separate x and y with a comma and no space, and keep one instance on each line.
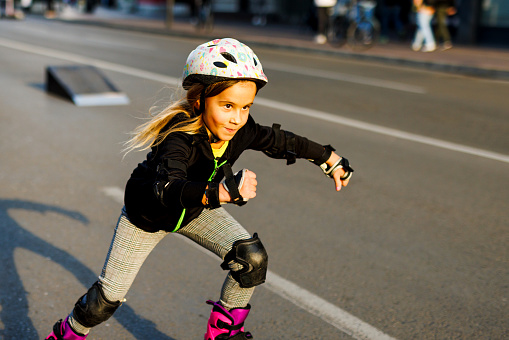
(222,59)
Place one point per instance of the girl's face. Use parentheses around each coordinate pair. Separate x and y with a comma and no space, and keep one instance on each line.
(227,112)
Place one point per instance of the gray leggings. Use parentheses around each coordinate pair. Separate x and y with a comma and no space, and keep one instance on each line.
(215,230)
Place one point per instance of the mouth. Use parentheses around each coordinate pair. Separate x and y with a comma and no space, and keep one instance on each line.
(231,131)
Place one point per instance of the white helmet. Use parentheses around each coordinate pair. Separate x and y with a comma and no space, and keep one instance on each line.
(222,59)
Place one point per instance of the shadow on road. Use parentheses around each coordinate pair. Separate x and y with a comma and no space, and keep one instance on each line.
(14,307)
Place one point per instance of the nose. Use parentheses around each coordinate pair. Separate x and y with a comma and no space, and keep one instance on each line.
(235,117)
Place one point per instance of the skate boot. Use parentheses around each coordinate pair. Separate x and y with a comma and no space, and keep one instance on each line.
(224,324)
(62,331)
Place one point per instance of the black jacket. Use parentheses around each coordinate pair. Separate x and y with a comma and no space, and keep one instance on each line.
(175,174)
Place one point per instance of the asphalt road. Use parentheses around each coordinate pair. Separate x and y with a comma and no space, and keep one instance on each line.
(415,248)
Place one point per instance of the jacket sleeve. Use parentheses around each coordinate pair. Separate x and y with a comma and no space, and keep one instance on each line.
(282,144)
(172,187)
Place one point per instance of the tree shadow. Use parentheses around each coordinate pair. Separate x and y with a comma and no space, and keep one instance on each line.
(13,297)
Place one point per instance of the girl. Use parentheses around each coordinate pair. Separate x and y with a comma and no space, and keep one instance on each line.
(184,180)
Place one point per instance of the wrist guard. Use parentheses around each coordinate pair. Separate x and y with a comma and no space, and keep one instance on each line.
(233,183)
(341,163)
(212,196)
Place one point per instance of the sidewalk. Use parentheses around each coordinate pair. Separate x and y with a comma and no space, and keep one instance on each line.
(466,60)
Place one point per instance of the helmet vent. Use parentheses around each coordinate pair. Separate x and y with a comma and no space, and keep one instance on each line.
(255,61)
(220,64)
(229,57)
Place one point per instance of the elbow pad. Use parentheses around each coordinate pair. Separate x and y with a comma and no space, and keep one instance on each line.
(289,146)
(164,178)
(159,187)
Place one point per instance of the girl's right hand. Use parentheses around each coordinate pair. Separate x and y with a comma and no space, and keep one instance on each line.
(247,191)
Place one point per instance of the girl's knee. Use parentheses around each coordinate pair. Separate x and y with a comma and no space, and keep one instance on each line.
(251,255)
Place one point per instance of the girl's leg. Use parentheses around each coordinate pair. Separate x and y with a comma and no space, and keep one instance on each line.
(128,250)
(216,230)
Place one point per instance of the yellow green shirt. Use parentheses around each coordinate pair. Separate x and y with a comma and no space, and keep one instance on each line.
(219,152)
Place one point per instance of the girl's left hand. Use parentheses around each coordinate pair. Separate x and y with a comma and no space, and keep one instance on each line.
(338,174)
(338,181)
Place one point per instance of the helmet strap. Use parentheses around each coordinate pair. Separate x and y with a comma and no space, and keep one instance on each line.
(202,102)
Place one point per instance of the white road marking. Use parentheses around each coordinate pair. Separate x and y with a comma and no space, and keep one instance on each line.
(114,193)
(88,61)
(300,297)
(260,101)
(350,78)
(323,309)
(381,130)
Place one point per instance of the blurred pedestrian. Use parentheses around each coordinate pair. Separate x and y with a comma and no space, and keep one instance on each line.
(50,10)
(90,6)
(390,11)
(323,11)
(8,9)
(184,181)
(260,10)
(26,6)
(201,13)
(444,9)
(424,40)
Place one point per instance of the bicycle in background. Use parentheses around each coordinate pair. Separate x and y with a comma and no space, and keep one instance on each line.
(353,22)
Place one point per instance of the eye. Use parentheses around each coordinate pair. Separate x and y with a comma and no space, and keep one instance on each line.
(228,106)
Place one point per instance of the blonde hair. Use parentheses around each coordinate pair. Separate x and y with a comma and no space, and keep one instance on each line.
(148,134)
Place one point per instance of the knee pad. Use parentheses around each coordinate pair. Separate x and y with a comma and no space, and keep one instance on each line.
(93,308)
(252,256)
